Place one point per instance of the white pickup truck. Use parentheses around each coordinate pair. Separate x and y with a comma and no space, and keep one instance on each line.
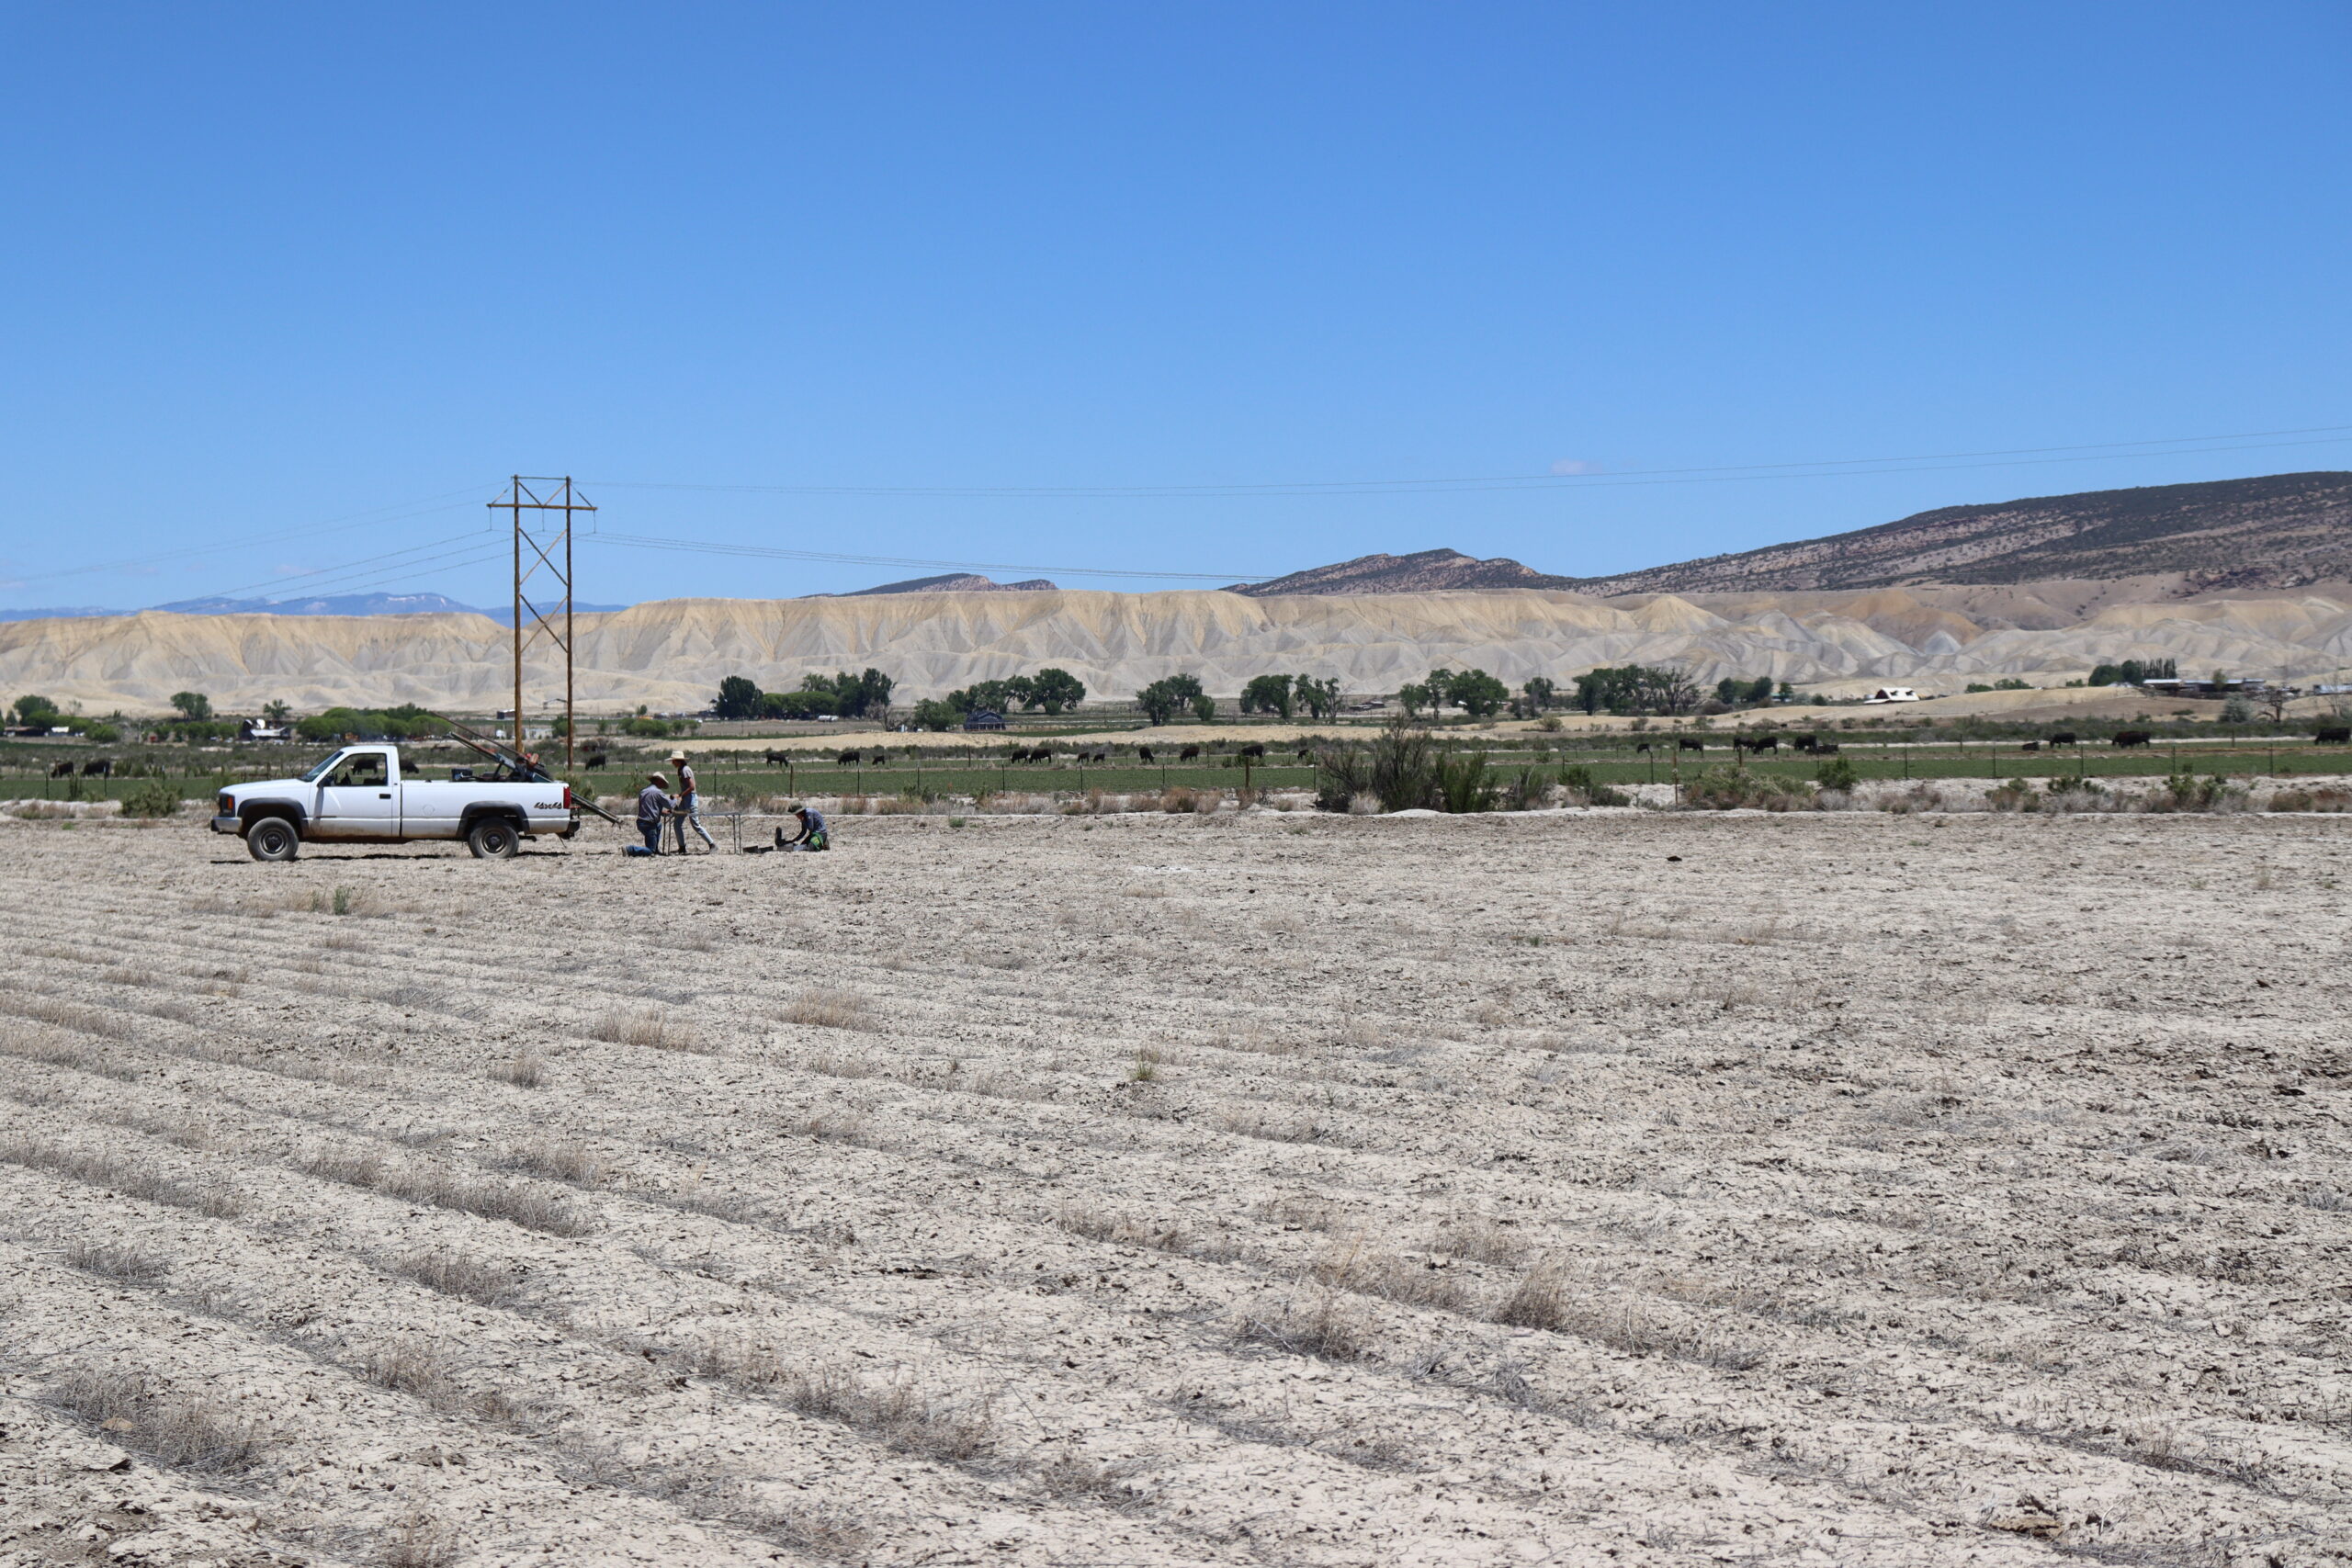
(362,795)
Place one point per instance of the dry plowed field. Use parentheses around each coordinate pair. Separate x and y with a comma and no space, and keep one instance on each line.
(1842,1189)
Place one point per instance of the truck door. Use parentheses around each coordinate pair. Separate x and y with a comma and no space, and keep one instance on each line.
(359,799)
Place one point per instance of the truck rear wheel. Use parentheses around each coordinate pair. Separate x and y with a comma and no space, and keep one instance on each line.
(493,838)
(272,839)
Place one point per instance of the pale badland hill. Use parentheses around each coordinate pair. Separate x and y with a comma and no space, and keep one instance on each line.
(2248,576)
(672,654)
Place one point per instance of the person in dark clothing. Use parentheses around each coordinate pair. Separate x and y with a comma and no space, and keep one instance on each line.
(653,804)
(813,831)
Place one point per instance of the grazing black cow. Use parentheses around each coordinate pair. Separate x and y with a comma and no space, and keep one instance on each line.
(879,758)
(2340,735)
(62,770)
(101,769)
(1825,748)
(1807,743)
(1760,743)
(1188,753)
(2127,739)
(1640,747)
(846,760)
(2030,746)
(777,758)
(1041,754)
(2063,738)
(1143,753)
(1253,749)
(1688,745)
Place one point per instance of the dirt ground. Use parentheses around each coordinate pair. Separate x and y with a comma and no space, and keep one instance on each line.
(1830,1189)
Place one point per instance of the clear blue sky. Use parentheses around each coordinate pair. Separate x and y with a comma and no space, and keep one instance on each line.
(270,266)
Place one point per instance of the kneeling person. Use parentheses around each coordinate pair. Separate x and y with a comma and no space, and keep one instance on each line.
(653,804)
(813,831)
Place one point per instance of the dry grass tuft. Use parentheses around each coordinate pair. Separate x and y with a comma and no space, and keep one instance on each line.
(1324,1328)
(557,1161)
(1119,1230)
(455,1274)
(514,1202)
(121,1173)
(829,1007)
(185,1432)
(125,1264)
(649,1027)
(1477,1239)
(410,1365)
(79,1055)
(422,1540)
(1070,1476)
(1347,1265)
(896,1412)
(1258,1123)
(527,1070)
(1545,1299)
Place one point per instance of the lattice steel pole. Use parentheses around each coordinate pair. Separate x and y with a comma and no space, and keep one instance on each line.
(524,498)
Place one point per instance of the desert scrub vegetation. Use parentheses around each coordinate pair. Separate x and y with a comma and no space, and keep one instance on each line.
(1720,790)
(1323,1326)
(1546,1298)
(124,1265)
(831,1007)
(119,1171)
(151,798)
(1168,1235)
(1349,1264)
(184,1431)
(894,1412)
(648,1027)
(526,1069)
(491,1198)
(456,1274)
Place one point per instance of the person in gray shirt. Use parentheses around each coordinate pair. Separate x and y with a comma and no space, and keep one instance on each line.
(653,804)
(688,813)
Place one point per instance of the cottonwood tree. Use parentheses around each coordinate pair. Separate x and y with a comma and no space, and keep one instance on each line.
(1321,698)
(1269,694)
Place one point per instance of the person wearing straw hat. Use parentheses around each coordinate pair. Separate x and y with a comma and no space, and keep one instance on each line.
(653,803)
(686,813)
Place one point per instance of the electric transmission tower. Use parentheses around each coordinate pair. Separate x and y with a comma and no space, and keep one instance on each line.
(547,546)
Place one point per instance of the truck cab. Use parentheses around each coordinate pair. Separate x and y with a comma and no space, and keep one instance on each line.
(364,793)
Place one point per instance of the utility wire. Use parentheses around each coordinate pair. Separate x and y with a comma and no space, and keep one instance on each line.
(2185,446)
(347,568)
(645,542)
(397,512)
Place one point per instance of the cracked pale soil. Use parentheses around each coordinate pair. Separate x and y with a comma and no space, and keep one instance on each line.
(1641,1188)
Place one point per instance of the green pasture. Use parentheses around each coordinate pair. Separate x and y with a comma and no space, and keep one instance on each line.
(1612,760)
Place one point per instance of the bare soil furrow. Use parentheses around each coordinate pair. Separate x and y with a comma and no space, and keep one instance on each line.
(1331,1191)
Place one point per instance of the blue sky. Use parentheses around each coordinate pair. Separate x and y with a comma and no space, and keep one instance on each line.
(271,267)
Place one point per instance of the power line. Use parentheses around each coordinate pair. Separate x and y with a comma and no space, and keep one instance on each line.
(376,517)
(330,572)
(2181,446)
(644,542)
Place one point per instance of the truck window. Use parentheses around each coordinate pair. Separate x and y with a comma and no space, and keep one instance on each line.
(364,770)
(318,769)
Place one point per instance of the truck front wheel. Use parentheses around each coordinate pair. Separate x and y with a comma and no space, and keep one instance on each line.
(272,839)
(493,838)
